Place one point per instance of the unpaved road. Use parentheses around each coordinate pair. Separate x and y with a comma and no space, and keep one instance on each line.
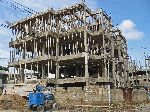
(141,108)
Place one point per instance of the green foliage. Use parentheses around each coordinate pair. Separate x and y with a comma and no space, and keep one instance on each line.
(3,68)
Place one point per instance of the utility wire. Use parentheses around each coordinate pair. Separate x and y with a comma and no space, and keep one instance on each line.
(2,58)
(12,6)
(16,5)
(6,26)
(25,7)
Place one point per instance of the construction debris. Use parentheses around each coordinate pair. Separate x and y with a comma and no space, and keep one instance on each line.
(14,102)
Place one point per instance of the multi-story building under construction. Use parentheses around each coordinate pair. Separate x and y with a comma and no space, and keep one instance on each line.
(81,47)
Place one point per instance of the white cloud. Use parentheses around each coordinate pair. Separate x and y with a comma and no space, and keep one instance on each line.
(129,30)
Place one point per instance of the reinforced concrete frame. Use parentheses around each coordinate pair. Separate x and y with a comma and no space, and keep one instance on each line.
(80,46)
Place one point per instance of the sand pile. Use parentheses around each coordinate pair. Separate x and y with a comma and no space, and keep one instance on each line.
(14,102)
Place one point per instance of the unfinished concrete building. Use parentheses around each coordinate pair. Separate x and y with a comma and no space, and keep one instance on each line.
(138,75)
(81,47)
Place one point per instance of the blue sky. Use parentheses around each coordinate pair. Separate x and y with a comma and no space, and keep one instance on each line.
(132,16)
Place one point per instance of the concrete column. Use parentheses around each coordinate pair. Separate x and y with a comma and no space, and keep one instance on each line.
(51,64)
(25,52)
(37,67)
(119,53)
(48,68)
(113,61)
(57,70)
(15,78)
(108,73)
(76,47)
(131,67)
(25,71)
(113,72)
(104,57)
(43,71)
(112,47)
(132,80)
(43,49)
(132,74)
(48,45)
(34,52)
(20,53)
(73,48)
(86,55)
(31,71)
(10,56)
(61,50)
(36,49)
(86,46)
(117,77)
(102,20)
(98,71)
(57,49)
(10,75)
(14,53)
(20,72)
(57,63)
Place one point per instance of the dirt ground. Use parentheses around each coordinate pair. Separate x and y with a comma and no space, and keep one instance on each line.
(145,108)
(126,108)
(15,103)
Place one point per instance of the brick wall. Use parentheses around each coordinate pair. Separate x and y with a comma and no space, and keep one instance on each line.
(92,95)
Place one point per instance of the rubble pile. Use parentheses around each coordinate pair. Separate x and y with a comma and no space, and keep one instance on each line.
(14,102)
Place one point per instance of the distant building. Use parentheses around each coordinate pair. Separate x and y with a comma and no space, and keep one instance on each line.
(3,76)
(139,78)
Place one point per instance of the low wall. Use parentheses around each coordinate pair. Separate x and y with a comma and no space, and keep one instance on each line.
(92,95)
(20,89)
(140,95)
